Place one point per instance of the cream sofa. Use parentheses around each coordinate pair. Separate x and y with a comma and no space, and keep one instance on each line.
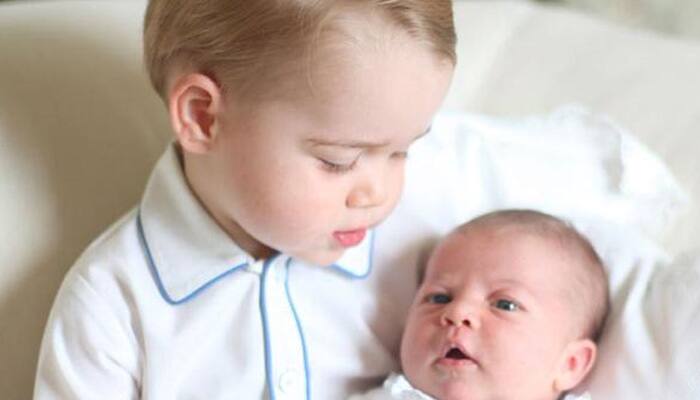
(80,128)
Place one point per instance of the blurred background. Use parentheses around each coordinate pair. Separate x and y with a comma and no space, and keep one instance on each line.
(672,17)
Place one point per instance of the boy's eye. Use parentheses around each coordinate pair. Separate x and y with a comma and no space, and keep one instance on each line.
(400,155)
(336,167)
(439,298)
(506,305)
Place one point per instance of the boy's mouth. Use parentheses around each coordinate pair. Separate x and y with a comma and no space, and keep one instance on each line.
(350,238)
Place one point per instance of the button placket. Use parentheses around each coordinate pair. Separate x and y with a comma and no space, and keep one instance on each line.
(286,352)
(289,381)
(255,267)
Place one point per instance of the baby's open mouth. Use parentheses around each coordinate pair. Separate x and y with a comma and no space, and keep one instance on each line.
(456,354)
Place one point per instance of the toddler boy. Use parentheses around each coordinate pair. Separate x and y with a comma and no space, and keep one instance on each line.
(254,234)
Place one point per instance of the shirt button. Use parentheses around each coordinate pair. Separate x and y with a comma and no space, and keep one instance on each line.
(289,381)
(255,266)
(279,277)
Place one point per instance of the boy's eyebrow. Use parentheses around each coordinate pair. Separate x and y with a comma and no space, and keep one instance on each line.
(359,143)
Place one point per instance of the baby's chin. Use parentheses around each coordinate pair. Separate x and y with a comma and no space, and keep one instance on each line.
(472,384)
(445,387)
(454,391)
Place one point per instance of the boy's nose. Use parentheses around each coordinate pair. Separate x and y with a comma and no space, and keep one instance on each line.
(459,315)
(369,193)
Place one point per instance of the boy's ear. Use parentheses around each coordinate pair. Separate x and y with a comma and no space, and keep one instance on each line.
(576,361)
(195,102)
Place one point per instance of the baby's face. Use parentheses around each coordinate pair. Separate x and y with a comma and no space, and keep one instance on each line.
(490,320)
(308,174)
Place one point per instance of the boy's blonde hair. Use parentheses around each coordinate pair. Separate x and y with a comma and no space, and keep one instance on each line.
(244,44)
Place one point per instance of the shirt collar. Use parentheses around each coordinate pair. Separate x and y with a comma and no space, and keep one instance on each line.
(187,250)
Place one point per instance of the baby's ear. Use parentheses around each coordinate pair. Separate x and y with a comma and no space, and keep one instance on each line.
(576,361)
(194,103)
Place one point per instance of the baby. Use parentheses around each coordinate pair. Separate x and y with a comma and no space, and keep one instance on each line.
(510,308)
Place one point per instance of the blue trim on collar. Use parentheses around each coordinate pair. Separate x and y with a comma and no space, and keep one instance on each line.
(307,370)
(156,276)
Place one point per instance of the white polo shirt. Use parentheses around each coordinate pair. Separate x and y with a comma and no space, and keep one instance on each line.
(165,306)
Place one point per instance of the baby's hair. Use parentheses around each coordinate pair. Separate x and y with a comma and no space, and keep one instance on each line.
(590,288)
(247,43)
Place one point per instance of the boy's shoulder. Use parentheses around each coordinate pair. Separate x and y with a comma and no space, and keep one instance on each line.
(113,242)
(111,258)
(114,262)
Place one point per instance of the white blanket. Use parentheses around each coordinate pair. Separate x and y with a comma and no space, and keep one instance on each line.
(583,168)
(397,387)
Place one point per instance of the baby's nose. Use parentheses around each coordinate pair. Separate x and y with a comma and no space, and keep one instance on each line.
(460,315)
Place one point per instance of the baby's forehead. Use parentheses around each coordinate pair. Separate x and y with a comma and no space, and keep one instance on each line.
(510,255)
(485,240)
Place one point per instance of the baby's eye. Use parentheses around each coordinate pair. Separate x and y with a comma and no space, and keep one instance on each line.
(506,305)
(439,298)
(336,167)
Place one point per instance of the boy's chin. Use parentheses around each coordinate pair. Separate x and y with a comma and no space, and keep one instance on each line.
(320,258)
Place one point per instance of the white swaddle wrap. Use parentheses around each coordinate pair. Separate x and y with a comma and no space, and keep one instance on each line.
(583,168)
(397,387)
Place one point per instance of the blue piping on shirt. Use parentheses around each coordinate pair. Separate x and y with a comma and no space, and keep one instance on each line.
(266,329)
(156,277)
(307,371)
(161,289)
(263,309)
